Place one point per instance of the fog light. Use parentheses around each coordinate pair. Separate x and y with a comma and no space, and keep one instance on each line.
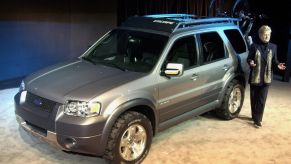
(70,143)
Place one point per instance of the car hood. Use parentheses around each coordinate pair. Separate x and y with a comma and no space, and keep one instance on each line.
(77,80)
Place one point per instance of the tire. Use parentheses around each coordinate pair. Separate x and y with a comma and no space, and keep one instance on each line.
(130,139)
(232,101)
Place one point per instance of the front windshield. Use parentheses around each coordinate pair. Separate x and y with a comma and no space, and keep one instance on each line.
(128,50)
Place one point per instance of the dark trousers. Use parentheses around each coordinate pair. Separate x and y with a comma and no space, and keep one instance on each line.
(258,100)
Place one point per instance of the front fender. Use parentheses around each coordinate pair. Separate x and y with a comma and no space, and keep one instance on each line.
(119,111)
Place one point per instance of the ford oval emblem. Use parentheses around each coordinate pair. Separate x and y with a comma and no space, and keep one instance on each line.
(37,102)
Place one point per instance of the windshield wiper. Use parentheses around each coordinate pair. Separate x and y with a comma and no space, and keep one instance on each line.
(113,65)
(89,60)
(105,63)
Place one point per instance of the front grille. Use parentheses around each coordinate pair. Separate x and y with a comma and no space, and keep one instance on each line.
(40,102)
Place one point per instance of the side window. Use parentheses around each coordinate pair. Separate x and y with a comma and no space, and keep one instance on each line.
(212,47)
(236,40)
(184,52)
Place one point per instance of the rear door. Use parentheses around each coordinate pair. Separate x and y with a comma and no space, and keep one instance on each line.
(215,63)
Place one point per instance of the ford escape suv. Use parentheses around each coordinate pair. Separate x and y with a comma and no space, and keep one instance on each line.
(138,79)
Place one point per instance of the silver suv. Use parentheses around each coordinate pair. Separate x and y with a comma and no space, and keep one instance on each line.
(150,73)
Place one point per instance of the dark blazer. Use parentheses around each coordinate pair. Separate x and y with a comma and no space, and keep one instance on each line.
(264,49)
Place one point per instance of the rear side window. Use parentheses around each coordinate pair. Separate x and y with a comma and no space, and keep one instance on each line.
(236,40)
(212,47)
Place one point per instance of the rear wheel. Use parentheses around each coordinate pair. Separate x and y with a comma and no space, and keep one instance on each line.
(232,101)
(130,139)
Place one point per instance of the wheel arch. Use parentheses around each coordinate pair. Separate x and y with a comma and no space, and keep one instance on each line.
(239,77)
(143,106)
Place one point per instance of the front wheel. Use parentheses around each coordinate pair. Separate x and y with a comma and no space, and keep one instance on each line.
(232,101)
(130,139)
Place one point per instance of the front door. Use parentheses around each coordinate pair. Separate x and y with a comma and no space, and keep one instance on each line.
(176,93)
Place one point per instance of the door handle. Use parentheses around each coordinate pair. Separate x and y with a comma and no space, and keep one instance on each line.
(225,67)
(194,77)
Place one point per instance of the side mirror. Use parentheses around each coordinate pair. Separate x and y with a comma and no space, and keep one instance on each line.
(174,69)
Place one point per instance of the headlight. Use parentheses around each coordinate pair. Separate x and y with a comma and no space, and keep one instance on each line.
(82,109)
(22,86)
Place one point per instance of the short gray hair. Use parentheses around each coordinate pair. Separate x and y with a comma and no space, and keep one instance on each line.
(264,28)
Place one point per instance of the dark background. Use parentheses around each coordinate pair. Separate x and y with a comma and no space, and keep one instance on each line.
(38,33)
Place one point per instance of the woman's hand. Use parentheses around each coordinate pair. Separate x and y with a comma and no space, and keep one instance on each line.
(252,63)
(281,66)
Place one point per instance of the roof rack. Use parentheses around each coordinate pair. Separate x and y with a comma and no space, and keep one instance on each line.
(188,20)
(209,20)
(171,16)
(173,22)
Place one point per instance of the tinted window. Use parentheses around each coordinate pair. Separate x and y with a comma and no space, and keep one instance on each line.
(212,47)
(236,40)
(184,52)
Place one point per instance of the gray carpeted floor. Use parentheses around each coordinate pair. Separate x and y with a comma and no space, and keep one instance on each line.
(203,139)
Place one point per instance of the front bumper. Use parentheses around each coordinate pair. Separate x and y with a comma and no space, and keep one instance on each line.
(49,137)
(70,133)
